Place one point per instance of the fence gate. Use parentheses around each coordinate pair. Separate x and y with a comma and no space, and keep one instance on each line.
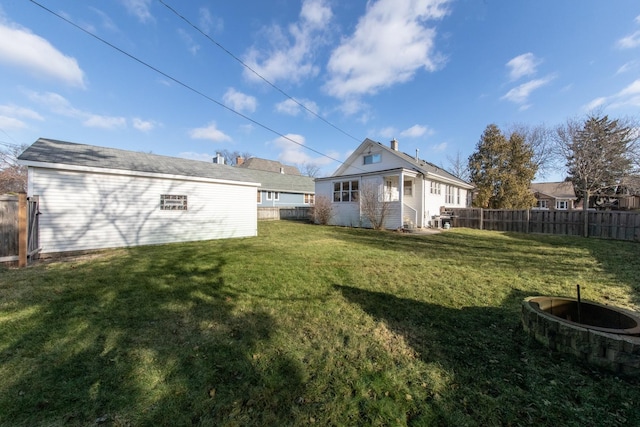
(19,229)
(33,227)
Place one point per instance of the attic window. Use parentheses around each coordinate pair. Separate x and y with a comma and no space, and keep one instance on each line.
(173,202)
(370,159)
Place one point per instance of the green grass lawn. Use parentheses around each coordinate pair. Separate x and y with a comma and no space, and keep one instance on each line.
(310,325)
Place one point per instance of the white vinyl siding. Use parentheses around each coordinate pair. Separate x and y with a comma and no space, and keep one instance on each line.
(86,210)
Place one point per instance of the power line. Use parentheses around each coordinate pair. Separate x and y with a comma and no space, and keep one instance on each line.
(244,64)
(185,85)
(8,144)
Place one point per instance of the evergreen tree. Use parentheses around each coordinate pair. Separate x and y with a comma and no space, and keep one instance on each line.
(502,170)
(599,154)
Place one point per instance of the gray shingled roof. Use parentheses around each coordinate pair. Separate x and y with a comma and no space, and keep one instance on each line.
(257,163)
(422,165)
(69,153)
(282,182)
(558,190)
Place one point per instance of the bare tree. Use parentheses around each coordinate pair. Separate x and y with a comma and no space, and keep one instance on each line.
(540,139)
(458,166)
(322,211)
(374,205)
(309,169)
(231,157)
(13,176)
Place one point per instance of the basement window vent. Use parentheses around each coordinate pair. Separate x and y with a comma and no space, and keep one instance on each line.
(173,202)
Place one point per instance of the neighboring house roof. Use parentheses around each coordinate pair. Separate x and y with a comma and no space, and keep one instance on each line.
(52,152)
(273,181)
(412,162)
(257,163)
(555,190)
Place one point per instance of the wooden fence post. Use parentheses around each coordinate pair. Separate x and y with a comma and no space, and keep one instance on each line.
(23,230)
(481,219)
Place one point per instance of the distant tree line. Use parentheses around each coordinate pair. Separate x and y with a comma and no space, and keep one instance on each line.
(601,156)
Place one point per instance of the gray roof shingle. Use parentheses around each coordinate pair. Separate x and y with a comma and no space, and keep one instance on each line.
(69,153)
(257,163)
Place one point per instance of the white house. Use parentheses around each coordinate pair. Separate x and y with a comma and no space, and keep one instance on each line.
(281,186)
(95,197)
(416,190)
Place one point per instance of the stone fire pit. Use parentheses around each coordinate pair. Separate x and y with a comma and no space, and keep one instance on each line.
(605,336)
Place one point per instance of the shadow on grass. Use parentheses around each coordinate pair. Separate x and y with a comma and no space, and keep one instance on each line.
(499,376)
(555,254)
(117,345)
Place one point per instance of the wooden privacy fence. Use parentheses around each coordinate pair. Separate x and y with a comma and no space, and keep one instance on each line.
(19,232)
(602,224)
(295,213)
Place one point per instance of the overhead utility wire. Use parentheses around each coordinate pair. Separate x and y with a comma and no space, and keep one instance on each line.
(186,86)
(244,64)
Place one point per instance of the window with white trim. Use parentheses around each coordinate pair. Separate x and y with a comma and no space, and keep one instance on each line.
(542,204)
(408,187)
(370,159)
(273,195)
(345,191)
(448,194)
(173,202)
(309,199)
(562,205)
(435,187)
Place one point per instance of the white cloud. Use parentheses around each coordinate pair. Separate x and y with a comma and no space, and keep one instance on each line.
(60,105)
(290,56)
(15,111)
(632,89)
(520,94)
(105,122)
(416,131)
(240,101)
(56,103)
(596,103)
(209,132)
(390,44)
(293,108)
(628,66)
(632,40)
(292,151)
(192,46)
(107,22)
(21,48)
(627,97)
(353,106)
(208,22)
(11,123)
(388,132)
(143,125)
(316,13)
(139,9)
(522,65)
(440,148)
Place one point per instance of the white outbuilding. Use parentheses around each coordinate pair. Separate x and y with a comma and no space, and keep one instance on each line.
(95,197)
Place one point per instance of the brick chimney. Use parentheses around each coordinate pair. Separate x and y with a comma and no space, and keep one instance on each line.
(394,144)
(239,160)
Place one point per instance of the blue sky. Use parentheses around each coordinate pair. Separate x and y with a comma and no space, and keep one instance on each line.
(431,73)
